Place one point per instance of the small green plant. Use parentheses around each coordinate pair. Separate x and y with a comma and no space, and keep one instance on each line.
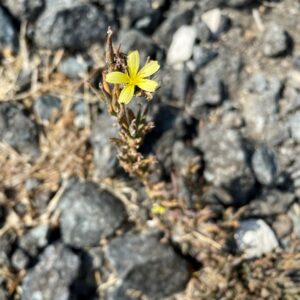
(121,81)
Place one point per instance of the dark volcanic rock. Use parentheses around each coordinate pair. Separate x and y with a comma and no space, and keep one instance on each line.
(52,276)
(146,265)
(89,214)
(8,33)
(226,162)
(25,9)
(47,106)
(71,26)
(18,130)
(275,41)
(265,165)
(105,152)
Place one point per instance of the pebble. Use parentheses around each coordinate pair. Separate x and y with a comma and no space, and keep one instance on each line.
(89,214)
(143,263)
(264,165)
(215,21)
(226,162)
(294,126)
(18,130)
(8,33)
(74,67)
(255,238)
(275,41)
(52,276)
(47,107)
(210,93)
(185,35)
(202,56)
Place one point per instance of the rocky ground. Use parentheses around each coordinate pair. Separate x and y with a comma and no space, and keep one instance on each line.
(73,225)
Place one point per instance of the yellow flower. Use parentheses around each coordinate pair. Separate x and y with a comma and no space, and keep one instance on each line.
(134,77)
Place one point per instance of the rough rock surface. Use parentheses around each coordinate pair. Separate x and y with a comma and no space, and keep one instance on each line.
(89,214)
(144,264)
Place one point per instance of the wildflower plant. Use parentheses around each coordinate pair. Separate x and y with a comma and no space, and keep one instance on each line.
(122,79)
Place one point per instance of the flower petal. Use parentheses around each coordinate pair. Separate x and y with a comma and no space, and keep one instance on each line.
(147,85)
(133,62)
(149,69)
(126,94)
(117,77)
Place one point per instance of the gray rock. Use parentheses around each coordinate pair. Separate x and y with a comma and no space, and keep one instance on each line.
(202,56)
(265,165)
(270,203)
(52,276)
(81,110)
(105,152)
(175,20)
(46,107)
(18,130)
(275,41)
(19,260)
(70,25)
(73,67)
(203,32)
(215,21)
(282,226)
(260,107)
(294,214)
(34,239)
(290,102)
(146,265)
(3,294)
(255,238)
(209,93)
(136,40)
(89,214)
(8,34)
(25,9)
(185,35)
(294,126)
(226,162)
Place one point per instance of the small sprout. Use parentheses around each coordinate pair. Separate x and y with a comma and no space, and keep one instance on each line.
(134,77)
